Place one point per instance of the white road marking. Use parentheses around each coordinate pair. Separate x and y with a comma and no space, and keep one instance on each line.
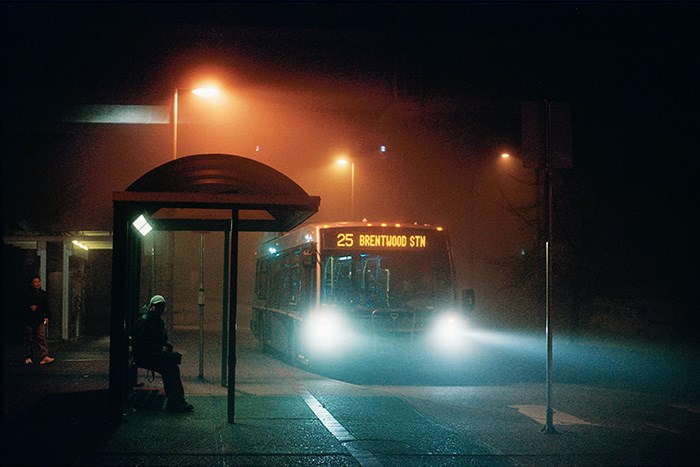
(690,408)
(364,458)
(664,428)
(539,414)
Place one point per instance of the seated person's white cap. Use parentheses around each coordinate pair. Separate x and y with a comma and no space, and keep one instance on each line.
(157,299)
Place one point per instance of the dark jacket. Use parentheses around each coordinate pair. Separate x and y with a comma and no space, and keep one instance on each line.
(148,337)
(40,298)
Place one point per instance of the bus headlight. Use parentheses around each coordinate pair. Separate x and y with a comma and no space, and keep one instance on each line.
(325,329)
(449,331)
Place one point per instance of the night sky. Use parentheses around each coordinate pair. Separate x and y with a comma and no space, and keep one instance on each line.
(629,71)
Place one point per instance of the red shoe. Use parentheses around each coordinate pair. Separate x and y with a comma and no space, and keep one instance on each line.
(46,360)
(28,361)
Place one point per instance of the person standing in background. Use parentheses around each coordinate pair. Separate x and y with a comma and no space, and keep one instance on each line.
(36,313)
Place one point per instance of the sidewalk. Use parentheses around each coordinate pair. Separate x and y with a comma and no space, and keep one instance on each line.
(57,415)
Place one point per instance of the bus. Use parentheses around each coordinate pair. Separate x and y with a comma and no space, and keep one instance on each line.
(332,289)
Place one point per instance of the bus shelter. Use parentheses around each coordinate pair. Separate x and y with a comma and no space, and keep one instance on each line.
(206,192)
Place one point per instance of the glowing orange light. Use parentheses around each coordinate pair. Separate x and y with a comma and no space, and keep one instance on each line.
(439,229)
(207,91)
(398,225)
(505,155)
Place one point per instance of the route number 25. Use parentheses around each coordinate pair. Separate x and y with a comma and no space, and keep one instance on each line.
(345,240)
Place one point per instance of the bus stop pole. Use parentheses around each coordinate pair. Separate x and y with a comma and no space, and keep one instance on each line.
(200,302)
(233,296)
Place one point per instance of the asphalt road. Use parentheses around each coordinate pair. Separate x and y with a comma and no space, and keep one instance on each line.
(613,405)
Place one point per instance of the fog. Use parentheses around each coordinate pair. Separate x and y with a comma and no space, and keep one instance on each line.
(426,176)
(439,85)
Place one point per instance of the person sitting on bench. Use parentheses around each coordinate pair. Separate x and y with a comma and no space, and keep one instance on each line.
(151,350)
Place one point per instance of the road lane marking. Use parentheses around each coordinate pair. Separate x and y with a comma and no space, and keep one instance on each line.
(690,408)
(539,414)
(664,428)
(363,457)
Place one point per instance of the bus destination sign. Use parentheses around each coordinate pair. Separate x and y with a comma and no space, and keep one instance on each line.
(374,239)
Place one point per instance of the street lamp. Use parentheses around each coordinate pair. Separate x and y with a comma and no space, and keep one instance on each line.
(344,162)
(206,92)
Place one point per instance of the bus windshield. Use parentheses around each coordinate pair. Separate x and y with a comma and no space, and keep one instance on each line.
(386,279)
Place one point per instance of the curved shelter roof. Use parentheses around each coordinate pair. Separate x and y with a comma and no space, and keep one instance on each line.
(217,173)
(198,193)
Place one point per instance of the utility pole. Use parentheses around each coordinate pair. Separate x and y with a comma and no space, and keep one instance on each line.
(546,145)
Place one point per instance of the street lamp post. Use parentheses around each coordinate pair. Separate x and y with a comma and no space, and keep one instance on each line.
(174,123)
(352,184)
(201,92)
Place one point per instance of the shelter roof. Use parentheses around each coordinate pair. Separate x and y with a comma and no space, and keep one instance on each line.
(199,192)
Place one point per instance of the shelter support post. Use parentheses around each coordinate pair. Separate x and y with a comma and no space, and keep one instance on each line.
(126,267)
(233,298)
(65,289)
(117,351)
(224,312)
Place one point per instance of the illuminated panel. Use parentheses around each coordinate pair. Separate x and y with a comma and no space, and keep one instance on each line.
(137,114)
(377,238)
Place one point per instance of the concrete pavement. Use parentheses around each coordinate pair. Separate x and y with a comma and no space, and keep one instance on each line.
(56,415)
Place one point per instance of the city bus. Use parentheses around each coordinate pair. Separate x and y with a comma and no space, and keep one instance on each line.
(332,289)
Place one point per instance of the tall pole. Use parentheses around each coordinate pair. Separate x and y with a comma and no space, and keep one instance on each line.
(174,123)
(225,312)
(352,190)
(200,302)
(549,423)
(233,312)
(171,235)
(153,264)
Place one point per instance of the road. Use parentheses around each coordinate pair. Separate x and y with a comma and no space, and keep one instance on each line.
(614,405)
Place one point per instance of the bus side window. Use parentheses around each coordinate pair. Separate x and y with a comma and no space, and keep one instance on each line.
(294,283)
(276,274)
(291,285)
(261,282)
